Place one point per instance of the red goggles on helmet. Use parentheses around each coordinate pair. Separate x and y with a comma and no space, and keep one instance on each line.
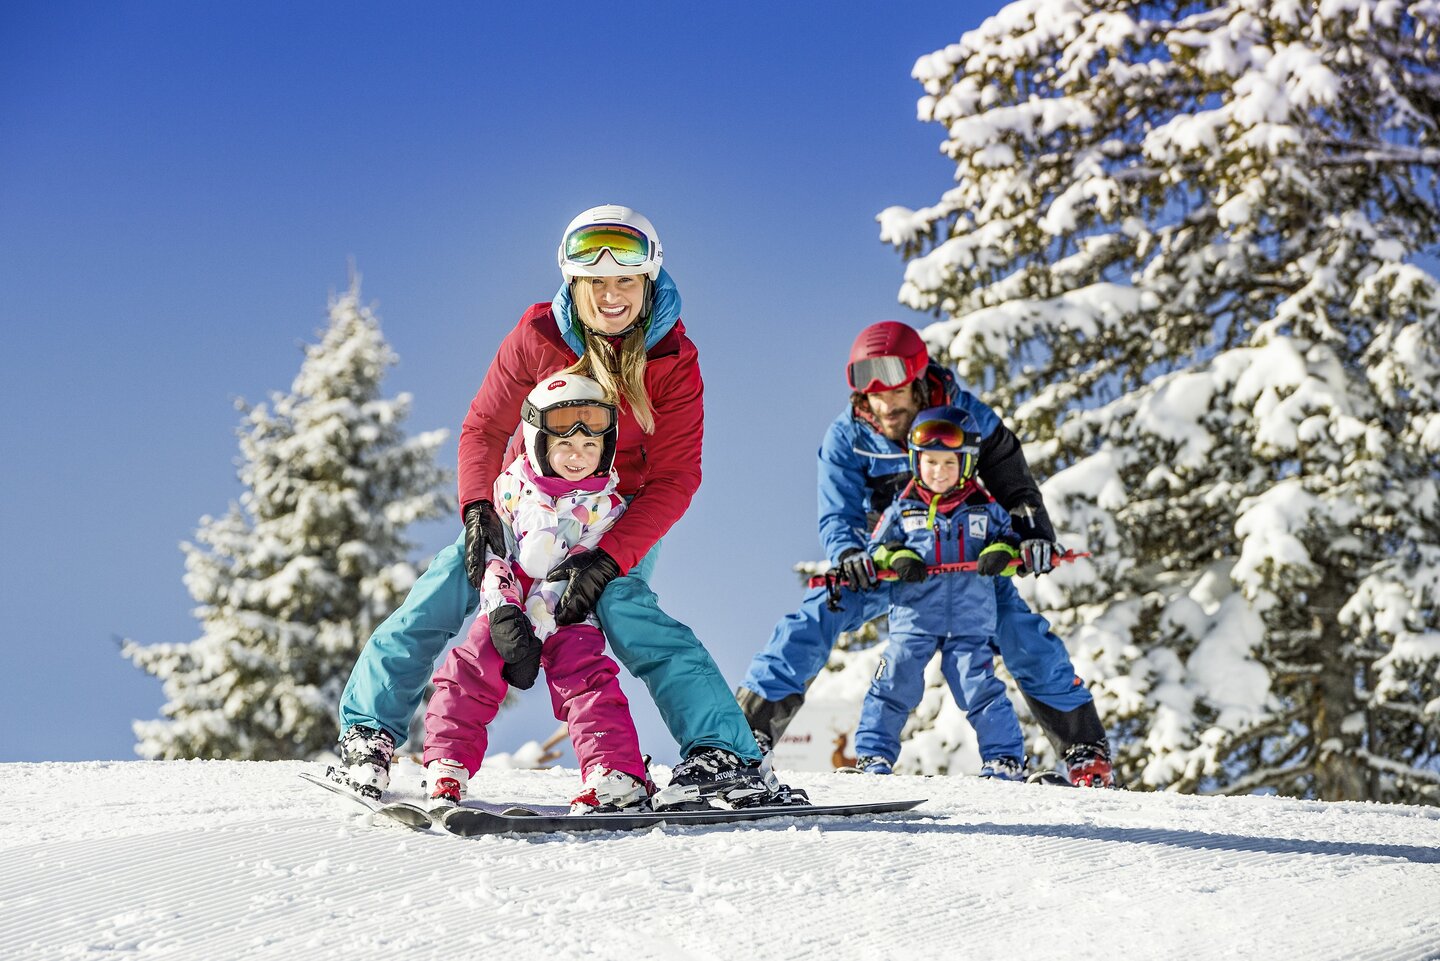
(941,435)
(873,374)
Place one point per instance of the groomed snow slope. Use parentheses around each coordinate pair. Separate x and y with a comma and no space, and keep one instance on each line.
(229,860)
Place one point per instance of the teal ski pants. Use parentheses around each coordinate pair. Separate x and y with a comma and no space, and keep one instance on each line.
(696,704)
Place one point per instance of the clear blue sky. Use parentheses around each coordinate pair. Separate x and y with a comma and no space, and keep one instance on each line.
(182,185)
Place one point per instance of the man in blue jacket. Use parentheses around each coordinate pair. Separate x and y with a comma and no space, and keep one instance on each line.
(862,467)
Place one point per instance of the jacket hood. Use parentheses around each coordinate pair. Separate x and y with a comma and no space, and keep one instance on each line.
(664,312)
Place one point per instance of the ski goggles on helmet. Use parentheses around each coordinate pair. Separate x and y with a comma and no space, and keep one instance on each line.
(878,373)
(628,246)
(568,417)
(942,435)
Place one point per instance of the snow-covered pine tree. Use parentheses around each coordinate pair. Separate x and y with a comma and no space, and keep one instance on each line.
(291,582)
(1183,257)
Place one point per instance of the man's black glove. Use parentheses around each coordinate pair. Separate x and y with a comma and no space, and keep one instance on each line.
(908,566)
(517,645)
(859,569)
(588,572)
(483,531)
(1037,555)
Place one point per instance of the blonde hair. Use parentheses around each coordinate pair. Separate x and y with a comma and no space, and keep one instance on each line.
(621,376)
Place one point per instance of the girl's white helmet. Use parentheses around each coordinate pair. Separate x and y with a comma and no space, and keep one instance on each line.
(564,404)
(610,241)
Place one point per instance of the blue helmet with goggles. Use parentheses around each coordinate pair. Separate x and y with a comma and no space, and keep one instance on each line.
(947,429)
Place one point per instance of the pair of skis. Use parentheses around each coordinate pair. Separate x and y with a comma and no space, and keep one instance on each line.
(476,822)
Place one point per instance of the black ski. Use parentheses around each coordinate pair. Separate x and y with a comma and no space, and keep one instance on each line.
(471,822)
(410,815)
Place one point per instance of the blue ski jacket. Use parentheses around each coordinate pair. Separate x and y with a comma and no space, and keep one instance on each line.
(861,470)
(944,605)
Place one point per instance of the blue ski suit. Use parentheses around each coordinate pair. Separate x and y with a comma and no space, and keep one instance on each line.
(860,472)
(388,681)
(952,614)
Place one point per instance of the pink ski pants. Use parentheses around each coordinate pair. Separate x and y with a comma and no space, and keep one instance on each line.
(584,692)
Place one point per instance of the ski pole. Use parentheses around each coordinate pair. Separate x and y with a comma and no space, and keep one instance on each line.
(832,580)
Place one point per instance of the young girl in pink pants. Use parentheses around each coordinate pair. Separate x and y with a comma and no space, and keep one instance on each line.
(555,500)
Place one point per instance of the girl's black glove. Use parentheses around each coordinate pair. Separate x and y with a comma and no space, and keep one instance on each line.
(588,572)
(519,648)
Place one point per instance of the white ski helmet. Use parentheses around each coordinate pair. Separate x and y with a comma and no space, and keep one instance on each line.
(561,405)
(627,236)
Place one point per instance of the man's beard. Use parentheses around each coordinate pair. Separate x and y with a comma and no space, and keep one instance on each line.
(900,428)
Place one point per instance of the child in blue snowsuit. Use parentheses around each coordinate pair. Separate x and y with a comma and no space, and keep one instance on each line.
(943,516)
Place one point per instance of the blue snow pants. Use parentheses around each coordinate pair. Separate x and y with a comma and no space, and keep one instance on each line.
(389,678)
(969,669)
(801,643)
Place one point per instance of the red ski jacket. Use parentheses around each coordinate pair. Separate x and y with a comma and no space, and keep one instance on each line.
(661,470)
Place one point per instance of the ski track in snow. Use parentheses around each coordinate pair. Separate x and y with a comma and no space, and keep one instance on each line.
(231,860)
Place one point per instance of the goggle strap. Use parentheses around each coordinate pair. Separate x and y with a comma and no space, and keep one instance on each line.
(530,414)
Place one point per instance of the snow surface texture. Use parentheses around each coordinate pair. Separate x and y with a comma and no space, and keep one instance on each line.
(243,860)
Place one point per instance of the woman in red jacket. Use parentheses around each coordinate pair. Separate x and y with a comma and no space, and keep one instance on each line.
(616,319)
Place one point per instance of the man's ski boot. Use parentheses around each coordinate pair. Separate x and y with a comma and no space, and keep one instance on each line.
(1088,765)
(365,755)
(714,778)
(873,764)
(446,780)
(607,791)
(1003,769)
(764,742)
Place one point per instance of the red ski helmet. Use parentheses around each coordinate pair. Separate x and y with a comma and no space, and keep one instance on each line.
(885,356)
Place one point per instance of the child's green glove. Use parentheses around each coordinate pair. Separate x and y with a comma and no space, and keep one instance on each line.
(907,565)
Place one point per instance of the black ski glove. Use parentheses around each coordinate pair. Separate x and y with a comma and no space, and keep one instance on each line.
(995,560)
(519,648)
(859,569)
(1037,556)
(908,566)
(482,530)
(588,572)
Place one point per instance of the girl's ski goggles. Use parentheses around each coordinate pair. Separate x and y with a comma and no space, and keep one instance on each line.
(628,247)
(878,373)
(567,417)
